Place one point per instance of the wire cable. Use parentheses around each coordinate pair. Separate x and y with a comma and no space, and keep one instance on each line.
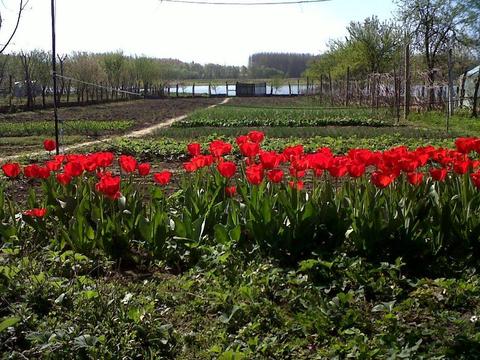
(98,86)
(203,2)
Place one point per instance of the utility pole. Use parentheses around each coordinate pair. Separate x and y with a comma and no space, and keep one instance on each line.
(54,77)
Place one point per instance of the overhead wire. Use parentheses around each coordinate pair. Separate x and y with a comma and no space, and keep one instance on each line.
(262,3)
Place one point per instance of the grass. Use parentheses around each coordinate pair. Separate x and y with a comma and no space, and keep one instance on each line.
(461,123)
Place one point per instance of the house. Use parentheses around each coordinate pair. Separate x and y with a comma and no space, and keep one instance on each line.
(246,89)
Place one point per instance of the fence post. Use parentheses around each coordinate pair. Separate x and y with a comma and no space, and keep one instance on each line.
(450,83)
(10,91)
(226,88)
(347,89)
(407,80)
(193,90)
(298,86)
(289,89)
(331,88)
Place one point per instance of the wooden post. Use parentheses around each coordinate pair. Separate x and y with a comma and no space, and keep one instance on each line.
(331,88)
(321,87)
(209,89)
(407,80)
(176,90)
(347,87)
(450,83)
(193,90)
(298,86)
(226,88)
(10,91)
(289,89)
(462,89)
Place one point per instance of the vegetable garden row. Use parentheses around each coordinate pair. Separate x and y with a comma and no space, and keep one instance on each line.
(422,205)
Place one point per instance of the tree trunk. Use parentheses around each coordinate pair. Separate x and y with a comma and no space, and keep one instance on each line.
(431,90)
(44,88)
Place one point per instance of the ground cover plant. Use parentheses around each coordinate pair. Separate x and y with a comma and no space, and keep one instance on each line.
(231,116)
(288,253)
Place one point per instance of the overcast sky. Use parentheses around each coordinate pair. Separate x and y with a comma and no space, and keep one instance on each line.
(224,35)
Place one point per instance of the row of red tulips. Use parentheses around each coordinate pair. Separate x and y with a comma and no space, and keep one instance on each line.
(426,209)
(386,166)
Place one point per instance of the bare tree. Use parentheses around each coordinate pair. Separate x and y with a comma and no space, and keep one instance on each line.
(21,7)
(434,25)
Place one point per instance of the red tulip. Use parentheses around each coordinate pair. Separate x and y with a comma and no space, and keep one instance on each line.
(189,166)
(162,178)
(11,170)
(36,212)
(109,186)
(143,169)
(438,174)
(275,175)
(219,148)
(64,179)
(230,191)
(104,159)
(53,165)
(249,149)
(49,145)
(31,171)
(269,159)
(381,180)
(296,185)
(227,169)
(415,178)
(241,139)
(256,136)
(127,163)
(43,173)
(461,167)
(254,174)
(194,149)
(73,168)
(356,169)
(476,179)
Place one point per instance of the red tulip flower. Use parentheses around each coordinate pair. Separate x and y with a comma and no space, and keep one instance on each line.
(49,144)
(143,169)
(256,136)
(475,177)
(127,163)
(241,139)
(109,186)
(415,178)
(11,170)
(356,169)
(254,174)
(73,168)
(230,191)
(219,148)
(296,185)
(31,171)
(36,212)
(64,179)
(249,149)
(189,166)
(438,174)
(227,169)
(162,178)
(275,175)
(381,180)
(194,149)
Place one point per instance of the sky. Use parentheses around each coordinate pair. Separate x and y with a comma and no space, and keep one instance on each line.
(224,35)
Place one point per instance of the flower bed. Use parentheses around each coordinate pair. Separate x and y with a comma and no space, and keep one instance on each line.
(422,205)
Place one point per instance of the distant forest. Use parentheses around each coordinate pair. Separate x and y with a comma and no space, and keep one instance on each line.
(278,64)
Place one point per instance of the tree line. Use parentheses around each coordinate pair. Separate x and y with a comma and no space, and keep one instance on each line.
(429,27)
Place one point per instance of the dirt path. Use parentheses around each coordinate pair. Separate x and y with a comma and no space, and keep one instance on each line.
(133,134)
